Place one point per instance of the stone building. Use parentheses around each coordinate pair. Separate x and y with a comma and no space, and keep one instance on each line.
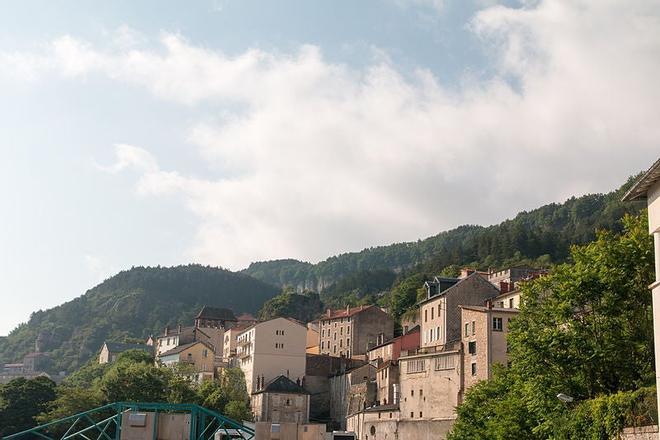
(230,343)
(270,349)
(198,355)
(351,332)
(485,331)
(506,279)
(280,400)
(647,187)
(352,392)
(440,315)
(215,317)
(319,369)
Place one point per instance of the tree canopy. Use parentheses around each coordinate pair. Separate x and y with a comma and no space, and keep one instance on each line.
(584,330)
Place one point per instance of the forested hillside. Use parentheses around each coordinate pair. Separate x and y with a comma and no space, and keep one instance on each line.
(544,234)
(133,303)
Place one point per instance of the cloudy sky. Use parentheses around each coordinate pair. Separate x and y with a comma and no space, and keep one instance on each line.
(229,131)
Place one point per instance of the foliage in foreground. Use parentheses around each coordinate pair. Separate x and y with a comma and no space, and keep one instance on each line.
(586,331)
(133,378)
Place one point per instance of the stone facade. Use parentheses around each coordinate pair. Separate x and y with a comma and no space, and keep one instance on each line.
(440,315)
(270,349)
(281,400)
(485,332)
(352,392)
(431,385)
(351,332)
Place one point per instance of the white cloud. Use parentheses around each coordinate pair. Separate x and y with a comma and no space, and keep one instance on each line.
(316,158)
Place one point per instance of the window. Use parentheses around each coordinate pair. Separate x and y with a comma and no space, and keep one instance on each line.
(426,315)
(473,327)
(510,303)
(348,330)
(412,415)
(472,347)
(323,333)
(334,336)
(341,331)
(420,414)
(444,363)
(438,310)
(322,345)
(432,310)
(474,368)
(497,324)
(412,393)
(205,353)
(467,329)
(415,366)
(275,427)
(348,342)
(437,333)
(341,343)
(421,392)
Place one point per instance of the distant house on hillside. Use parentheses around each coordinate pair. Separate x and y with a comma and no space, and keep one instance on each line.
(111,350)
(199,355)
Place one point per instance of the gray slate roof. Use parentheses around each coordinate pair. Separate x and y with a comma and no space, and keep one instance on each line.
(216,313)
(282,384)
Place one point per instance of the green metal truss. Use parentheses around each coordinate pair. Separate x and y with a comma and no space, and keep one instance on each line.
(104,423)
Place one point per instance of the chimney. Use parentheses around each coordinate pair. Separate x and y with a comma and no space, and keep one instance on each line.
(328,312)
(504,287)
(348,309)
(489,304)
(179,328)
(167,330)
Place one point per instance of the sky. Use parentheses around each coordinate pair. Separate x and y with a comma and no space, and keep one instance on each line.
(224,132)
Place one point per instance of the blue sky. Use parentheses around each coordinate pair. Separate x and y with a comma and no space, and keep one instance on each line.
(224,132)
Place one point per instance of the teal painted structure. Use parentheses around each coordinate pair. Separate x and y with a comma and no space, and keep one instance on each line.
(104,423)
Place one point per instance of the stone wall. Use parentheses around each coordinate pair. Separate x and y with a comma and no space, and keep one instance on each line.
(640,433)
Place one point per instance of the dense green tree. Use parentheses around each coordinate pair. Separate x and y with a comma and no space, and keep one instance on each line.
(538,237)
(303,307)
(71,400)
(136,382)
(21,400)
(405,294)
(584,330)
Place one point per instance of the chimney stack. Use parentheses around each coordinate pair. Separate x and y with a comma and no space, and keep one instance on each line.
(328,312)
(489,304)
(179,328)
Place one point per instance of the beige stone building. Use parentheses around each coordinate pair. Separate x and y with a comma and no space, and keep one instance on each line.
(351,332)
(648,188)
(440,315)
(485,331)
(272,348)
(508,300)
(229,344)
(280,400)
(313,336)
(431,384)
(198,355)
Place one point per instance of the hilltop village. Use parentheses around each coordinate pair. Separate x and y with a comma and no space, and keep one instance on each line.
(348,370)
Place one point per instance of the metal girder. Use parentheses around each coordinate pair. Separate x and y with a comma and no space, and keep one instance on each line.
(204,423)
